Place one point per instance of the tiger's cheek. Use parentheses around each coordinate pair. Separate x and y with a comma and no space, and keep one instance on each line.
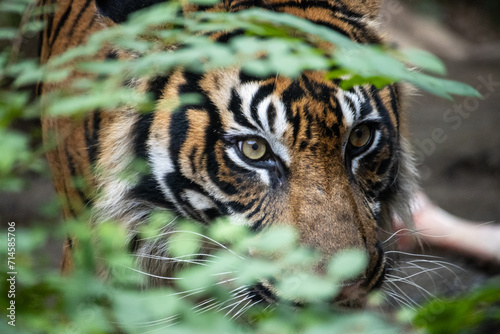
(241,187)
(375,175)
(193,152)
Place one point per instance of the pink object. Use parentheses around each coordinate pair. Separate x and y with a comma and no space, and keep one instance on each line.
(436,227)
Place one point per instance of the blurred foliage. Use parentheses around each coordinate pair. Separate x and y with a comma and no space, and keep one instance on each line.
(476,312)
(196,301)
(206,296)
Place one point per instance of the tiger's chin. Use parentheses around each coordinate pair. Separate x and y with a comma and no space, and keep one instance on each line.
(352,295)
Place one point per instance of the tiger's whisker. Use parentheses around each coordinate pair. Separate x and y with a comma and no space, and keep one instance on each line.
(400,300)
(403,293)
(398,233)
(408,281)
(200,235)
(242,310)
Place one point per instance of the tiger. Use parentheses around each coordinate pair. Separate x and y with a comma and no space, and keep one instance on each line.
(333,163)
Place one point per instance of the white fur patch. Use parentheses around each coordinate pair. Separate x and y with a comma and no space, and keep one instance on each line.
(349,114)
(198,201)
(161,165)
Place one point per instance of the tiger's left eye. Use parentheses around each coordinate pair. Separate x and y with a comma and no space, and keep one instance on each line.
(360,136)
(253,148)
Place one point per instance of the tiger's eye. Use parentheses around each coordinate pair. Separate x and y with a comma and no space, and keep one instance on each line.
(253,148)
(360,136)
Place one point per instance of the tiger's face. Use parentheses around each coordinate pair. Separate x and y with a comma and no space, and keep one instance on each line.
(303,153)
(334,164)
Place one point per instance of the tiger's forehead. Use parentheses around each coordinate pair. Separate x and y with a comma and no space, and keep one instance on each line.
(271,107)
(290,114)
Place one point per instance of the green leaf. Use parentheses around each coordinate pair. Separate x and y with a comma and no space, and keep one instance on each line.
(33,27)
(306,287)
(223,231)
(13,149)
(347,264)
(424,60)
(184,242)
(204,2)
(17,7)
(8,33)
(277,239)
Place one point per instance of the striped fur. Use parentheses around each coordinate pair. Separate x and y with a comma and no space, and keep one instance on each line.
(336,197)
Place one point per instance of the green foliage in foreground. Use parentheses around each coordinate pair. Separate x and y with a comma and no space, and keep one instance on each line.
(197,301)
(476,312)
(84,303)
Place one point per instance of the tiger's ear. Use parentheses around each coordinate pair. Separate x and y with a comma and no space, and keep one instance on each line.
(118,10)
(367,8)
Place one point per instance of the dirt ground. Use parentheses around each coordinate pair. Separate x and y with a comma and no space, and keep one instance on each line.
(459,167)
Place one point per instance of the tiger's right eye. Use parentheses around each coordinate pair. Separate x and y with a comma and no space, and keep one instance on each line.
(253,148)
(360,136)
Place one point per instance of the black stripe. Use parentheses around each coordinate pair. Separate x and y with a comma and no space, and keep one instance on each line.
(378,267)
(341,8)
(78,17)
(48,29)
(295,121)
(336,29)
(235,106)
(239,5)
(92,135)
(290,95)
(366,107)
(383,112)
(238,170)
(179,183)
(308,117)
(261,94)
(61,23)
(358,32)
(238,207)
(384,166)
(192,159)
(134,243)
(74,176)
(375,151)
(247,77)
(150,191)
(394,186)
(258,208)
(141,134)
(271,116)
(224,38)
(351,105)
(112,55)
(212,137)
(157,85)
(91,23)
(72,211)
(143,124)
(39,88)
(393,91)
(257,225)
